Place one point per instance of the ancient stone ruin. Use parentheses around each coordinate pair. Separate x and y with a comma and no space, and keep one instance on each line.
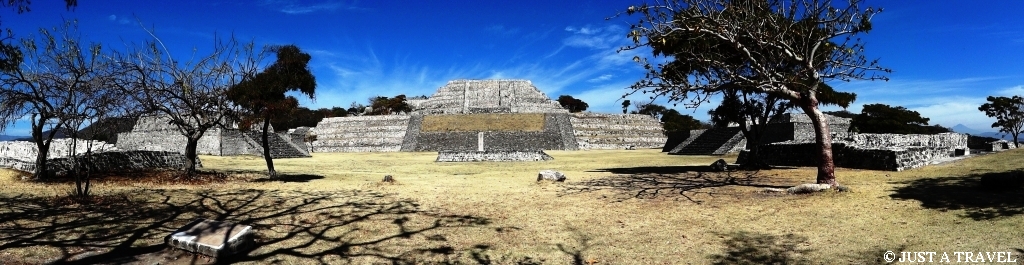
(789,141)
(1000,145)
(156,133)
(102,157)
(487,115)
(465,120)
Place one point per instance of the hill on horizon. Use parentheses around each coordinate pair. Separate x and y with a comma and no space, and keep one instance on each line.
(960,128)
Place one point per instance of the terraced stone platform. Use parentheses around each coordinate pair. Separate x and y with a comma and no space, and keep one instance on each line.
(384,133)
(616,131)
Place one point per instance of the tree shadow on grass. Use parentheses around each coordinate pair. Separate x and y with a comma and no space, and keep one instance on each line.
(647,183)
(304,227)
(672,169)
(758,248)
(964,193)
(297,178)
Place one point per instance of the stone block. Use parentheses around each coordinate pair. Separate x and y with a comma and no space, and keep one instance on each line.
(551,175)
(212,238)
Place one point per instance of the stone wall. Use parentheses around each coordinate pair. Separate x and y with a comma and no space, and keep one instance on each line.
(123,161)
(798,127)
(494,155)
(893,152)
(1000,145)
(843,155)
(949,141)
(154,133)
(556,135)
(24,150)
(380,133)
(108,161)
(437,141)
(616,131)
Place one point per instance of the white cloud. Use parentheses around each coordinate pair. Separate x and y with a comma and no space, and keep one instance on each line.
(604,77)
(121,20)
(1011,91)
(594,38)
(296,7)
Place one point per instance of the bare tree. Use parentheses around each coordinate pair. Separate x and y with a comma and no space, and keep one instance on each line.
(55,70)
(192,94)
(778,47)
(88,105)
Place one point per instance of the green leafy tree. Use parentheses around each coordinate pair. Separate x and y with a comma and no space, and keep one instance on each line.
(263,95)
(385,106)
(881,118)
(625,106)
(675,122)
(782,48)
(671,120)
(1009,115)
(654,110)
(572,104)
(842,114)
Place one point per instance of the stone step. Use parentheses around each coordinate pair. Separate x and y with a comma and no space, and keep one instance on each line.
(279,147)
(710,142)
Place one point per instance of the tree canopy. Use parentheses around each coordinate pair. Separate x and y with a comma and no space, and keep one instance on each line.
(192,93)
(1009,114)
(572,104)
(881,118)
(263,95)
(783,48)
(59,83)
(381,105)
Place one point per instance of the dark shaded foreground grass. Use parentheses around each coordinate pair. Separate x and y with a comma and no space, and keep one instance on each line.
(313,227)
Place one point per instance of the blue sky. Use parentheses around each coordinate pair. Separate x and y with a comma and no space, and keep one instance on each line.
(946,58)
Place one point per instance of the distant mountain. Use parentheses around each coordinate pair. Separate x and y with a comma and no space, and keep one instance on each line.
(9,137)
(960,128)
(61,134)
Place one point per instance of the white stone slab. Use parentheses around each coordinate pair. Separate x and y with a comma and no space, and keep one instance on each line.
(212,238)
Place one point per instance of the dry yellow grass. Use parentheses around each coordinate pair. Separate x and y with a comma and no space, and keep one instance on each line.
(618,207)
(522,122)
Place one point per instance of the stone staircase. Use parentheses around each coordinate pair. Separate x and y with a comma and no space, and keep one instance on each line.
(279,147)
(715,141)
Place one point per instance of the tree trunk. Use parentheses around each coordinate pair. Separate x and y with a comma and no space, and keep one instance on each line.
(753,160)
(823,138)
(190,156)
(42,151)
(266,149)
